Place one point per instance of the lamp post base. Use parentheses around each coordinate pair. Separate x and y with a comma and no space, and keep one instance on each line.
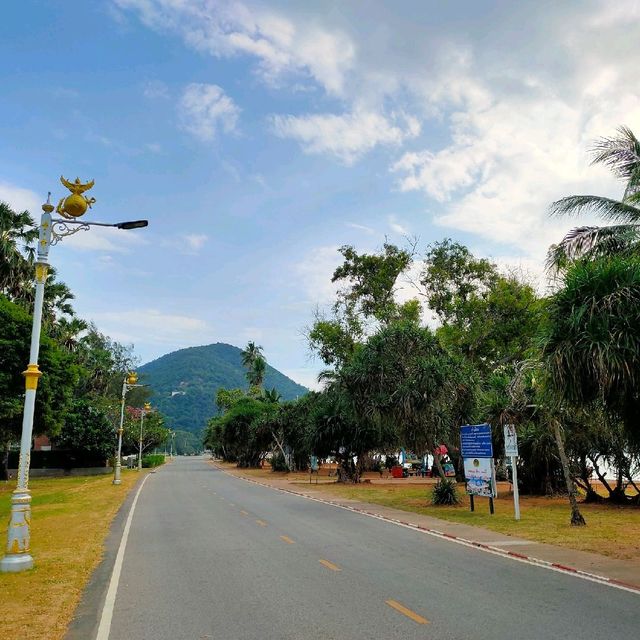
(116,472)
(16,562)
(18,556)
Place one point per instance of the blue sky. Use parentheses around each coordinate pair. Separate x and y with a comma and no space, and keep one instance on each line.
(258,137)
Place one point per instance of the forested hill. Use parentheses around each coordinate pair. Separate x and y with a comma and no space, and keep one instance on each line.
(185,382)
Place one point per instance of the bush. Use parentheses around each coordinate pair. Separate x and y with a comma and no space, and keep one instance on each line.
(278,463)
(152,460)
(445,492)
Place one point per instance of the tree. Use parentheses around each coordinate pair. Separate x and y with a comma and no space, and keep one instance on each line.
(60,375)
(154,433)
(256,365)
(87,432)
(17,236)
(366,301)
(591,337)
(621,154)
(371,281)
(489,318)
(402,378)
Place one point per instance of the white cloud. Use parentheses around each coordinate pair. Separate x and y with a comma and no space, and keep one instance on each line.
(506,121)
(195,241)
(315,273)
(21,199)
(397,226)
(281,45)
(347,136)
(205,108)
(155,89)
(153,326)
(360,227)
(106,239)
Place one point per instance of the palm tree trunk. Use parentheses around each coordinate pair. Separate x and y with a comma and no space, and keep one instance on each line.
(576,517)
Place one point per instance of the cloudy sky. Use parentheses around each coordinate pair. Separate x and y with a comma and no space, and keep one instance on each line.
(257,137)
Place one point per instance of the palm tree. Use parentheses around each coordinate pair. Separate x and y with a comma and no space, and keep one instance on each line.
(17,233)
(250,353)
(66,332)
(621,154)
(255,375)
(255,364)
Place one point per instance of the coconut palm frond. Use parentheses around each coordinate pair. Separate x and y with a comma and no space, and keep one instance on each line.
(620,153)
(608,208)
(594,242)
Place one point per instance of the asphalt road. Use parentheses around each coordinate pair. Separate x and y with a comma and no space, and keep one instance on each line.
(212,556)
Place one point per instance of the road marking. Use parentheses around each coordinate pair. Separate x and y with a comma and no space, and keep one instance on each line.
(107,611)
(330,565)
(243,512)
(287,539)
(407,612)
(262,523)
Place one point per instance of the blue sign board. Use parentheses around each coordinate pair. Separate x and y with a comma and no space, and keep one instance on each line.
(475,441)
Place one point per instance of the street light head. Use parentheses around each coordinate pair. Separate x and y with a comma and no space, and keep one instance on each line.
(132,378)
(132,224)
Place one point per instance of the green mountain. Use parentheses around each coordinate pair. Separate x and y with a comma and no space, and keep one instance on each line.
(185,383)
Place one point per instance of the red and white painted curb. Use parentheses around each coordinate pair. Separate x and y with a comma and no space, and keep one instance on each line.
(487,548)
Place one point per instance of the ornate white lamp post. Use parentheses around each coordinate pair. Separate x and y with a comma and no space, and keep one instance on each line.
(147,407)
(129,383)
(18,556)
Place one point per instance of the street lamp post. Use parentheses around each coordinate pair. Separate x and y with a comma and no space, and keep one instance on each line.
(147,407)
(129,383)
(51,231)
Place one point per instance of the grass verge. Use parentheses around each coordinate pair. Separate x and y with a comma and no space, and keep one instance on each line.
(70,520)
(611,530)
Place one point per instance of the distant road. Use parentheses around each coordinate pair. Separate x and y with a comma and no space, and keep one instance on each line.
(212,556)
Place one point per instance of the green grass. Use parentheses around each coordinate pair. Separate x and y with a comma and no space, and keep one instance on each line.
(70,520)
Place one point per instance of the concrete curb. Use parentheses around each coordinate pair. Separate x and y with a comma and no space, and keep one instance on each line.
(512,555)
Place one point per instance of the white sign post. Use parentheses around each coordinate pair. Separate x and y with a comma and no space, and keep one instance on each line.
(511,450)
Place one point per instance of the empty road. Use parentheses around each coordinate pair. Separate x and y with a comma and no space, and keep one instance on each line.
(212,556)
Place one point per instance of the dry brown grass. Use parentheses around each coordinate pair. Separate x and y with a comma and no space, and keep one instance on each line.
(70,520)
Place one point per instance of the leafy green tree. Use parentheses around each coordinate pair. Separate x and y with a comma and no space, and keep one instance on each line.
(154,433)
(365,302)
(371,281)
(486,317)
(55,388)
(87,432)
(226,398)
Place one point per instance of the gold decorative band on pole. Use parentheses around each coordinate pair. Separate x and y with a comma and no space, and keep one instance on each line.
(41,272)
(32,375)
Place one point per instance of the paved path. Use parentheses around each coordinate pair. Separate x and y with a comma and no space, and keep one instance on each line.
(212,556)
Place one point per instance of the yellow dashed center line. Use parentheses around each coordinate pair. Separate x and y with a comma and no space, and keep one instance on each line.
(262,523)
(407,612)
(330,565)
(287,539)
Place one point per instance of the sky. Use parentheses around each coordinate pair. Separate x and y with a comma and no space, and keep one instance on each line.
(259,137)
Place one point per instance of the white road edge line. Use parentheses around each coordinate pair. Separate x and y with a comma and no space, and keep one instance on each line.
(109,603)
(583,575)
